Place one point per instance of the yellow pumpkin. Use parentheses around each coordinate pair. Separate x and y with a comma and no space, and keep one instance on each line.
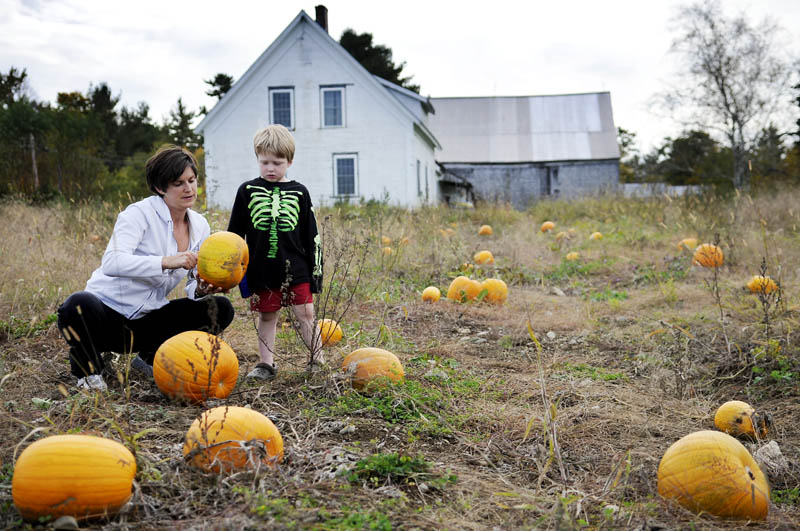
(687,244)
(82,476)
(571,257)
(496,290)
(387,251)
(229,438)
(330,331)
(431,294)
(762,284)
(596,236)
(385,240)
(738,418)
(708,255)
(710,471)
(463,289)
(195,366)
(365,365)
(485,230)
(483,257)
(222,259)
(547,226)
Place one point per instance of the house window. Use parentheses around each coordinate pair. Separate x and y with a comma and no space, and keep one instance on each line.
(332,104)
(345,174)
(281,106)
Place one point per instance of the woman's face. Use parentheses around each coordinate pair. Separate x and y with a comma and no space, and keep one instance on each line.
(181,193)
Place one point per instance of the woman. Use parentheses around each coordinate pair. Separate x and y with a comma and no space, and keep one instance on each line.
(124,307)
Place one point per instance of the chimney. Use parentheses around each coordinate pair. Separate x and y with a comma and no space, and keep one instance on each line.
(322,16)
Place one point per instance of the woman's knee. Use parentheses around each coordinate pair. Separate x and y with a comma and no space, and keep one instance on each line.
(79,306)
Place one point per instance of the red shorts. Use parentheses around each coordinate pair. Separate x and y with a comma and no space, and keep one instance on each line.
(273,300)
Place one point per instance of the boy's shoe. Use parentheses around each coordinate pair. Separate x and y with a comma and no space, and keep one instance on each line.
(93,382)
(262,371)
(141,366)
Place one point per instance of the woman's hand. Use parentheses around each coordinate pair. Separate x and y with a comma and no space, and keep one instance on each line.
(185,260)
(204,288)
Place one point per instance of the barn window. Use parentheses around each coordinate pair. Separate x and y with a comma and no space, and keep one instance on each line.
(345,174)
(332,105)
(281,106)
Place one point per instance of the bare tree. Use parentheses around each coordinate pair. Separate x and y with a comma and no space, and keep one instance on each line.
(733,77)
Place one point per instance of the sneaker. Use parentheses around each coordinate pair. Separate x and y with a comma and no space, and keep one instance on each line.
(141,366)
(93,382)
(262,371)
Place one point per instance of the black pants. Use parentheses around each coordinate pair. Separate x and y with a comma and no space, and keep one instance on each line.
(91,328)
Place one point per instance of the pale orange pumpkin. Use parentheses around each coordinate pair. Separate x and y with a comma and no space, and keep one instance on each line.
(82,476)
(431,294)
(708,255)
(687,244)
(484,258)
(571,257)
(738,418)
(711,472)
(463,289)
(230,438)
(547,226)
(496,290)
(222,259)
(762,284)
(388,251)
(330,331)
(385,240)
(195,366)
(368,365)
(485,230)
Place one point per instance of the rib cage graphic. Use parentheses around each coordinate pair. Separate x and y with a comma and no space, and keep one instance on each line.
(274,208)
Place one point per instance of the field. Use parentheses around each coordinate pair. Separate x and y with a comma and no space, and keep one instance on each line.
(551,411)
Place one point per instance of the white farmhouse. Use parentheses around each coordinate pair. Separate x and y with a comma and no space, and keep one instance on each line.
(358,136)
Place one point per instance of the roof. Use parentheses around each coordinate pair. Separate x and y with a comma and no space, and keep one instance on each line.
(525,128)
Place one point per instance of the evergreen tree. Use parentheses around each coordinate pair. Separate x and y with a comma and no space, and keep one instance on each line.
(179,127)
(376,58)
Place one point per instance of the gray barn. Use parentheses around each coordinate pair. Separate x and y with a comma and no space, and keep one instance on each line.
(521,149)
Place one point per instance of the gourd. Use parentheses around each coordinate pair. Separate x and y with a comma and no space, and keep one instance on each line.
(229,438)
(738,418)
(496,290)
(463,289)
(366,365)
(483,257)
(82,476)
(547,226)
(762,284)
(708,255)
(431,294)
(711,472)
(596,236)
(330,331)
(222,259)
(687,244)
(194,366)
(571,257)
(485,230)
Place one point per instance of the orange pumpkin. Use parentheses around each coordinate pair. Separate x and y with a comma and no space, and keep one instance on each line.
(739,419)
(463,289)
(228,438)
(762,284)
(547,226)
(82,476)
(330,331)
(222,259)
(195,366)
(496,290)
(708,255)
(485,230)
(711,472)
(365,365)
(431,294)
(483,257)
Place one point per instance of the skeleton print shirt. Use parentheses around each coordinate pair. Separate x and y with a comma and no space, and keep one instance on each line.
(277,222)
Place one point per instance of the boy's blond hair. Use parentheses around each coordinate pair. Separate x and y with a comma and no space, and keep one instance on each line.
(275,139)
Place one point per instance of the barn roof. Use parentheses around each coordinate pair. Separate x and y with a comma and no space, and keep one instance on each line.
(525,128)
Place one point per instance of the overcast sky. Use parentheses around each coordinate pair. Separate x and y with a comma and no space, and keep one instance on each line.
(157,51)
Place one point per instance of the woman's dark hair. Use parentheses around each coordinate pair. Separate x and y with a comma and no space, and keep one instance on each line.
(166,166)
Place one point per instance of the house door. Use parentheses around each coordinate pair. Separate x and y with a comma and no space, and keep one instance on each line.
(545,183)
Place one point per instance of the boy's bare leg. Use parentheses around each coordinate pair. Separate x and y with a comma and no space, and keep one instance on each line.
(308,331)
(267,326)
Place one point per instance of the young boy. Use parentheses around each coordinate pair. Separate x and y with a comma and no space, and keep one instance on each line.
(276,218)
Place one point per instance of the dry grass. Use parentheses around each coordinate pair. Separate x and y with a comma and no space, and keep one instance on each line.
(632,359)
